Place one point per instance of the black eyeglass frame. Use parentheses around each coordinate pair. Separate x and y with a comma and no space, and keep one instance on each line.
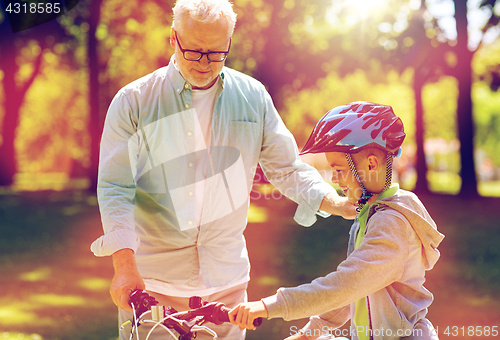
(202,53)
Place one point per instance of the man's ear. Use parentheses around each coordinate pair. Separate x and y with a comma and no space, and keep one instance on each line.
(373,162)
(172,37)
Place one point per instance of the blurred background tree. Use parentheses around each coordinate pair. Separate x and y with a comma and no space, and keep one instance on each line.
(415,55)
(23,57)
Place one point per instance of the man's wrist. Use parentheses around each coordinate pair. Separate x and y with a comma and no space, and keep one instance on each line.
(124,259)
(330,203)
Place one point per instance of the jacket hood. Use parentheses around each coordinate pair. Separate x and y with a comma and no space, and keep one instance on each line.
(408,204)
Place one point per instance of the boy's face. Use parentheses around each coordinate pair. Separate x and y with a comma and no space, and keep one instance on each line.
(343,176)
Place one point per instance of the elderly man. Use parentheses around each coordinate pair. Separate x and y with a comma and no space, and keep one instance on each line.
(179,152)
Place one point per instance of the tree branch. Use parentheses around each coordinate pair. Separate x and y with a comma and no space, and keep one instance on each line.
(36,71)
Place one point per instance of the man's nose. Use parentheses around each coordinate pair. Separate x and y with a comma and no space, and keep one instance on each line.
(204,60)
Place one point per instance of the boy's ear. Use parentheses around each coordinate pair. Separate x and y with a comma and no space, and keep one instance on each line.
(373,162)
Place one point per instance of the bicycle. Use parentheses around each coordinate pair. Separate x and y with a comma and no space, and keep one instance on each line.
(186,323)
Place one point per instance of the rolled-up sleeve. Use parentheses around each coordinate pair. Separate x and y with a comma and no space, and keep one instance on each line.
(282,166)
(116,186)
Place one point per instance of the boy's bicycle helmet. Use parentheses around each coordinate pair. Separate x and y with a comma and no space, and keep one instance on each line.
(350,128)
(354,127)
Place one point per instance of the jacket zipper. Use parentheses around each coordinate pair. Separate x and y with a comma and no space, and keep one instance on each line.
(369,317)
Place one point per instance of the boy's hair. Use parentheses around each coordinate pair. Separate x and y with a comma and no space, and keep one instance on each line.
(357,127)
(206,11)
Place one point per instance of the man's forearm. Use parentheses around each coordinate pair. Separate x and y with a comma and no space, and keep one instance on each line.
(126,278)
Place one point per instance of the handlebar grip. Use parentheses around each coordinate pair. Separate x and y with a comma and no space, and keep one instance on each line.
(257,322)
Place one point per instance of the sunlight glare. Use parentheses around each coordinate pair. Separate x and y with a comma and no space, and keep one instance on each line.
(95,284)
(355,11)
(59,300)
(256,214)
(12,336)
(365,8)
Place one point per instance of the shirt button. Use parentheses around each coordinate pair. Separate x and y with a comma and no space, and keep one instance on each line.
(187,106)
(190,193)
(190,222)
(190,133)
(190,165)
(186,86)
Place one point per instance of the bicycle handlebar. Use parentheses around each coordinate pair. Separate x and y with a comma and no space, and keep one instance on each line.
(186,322)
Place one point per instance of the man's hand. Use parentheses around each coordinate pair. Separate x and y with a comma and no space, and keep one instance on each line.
(126,278)
(334,204)
(244,314)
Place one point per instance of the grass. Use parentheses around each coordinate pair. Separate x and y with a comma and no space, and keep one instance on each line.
(54,288)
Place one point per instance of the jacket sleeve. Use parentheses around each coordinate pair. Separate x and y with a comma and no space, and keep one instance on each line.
(116,186)
(326,323)
(282,166)
(375,264)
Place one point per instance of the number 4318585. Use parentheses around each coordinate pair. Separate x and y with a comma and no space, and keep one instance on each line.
(38,8)
(471,331)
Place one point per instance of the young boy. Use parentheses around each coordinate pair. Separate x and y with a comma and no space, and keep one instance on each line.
(393,240)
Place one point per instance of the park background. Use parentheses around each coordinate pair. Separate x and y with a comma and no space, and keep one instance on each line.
(436,62)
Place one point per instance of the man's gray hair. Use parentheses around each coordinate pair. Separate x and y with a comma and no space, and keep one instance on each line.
(206,11)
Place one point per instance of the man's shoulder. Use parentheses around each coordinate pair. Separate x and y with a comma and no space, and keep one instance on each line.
(240,78)
(146,81)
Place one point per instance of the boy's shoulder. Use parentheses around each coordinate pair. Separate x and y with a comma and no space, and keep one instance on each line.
(402,201)
(407,206)
(414,211)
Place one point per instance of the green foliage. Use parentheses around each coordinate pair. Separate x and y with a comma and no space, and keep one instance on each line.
(487,101)
(304,108)
(487,120)
(440,133)
(134,39)
(444,182)
(440,107)
(53,120)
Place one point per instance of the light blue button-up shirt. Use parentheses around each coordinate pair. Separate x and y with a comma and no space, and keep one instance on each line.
(150,163)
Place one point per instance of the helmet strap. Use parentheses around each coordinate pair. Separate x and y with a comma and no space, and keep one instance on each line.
(365,195)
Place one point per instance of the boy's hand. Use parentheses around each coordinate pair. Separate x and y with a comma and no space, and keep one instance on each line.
(297,336)
(244,314)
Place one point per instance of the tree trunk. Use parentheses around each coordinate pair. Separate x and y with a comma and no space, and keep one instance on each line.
(14,98)
(13,102)
(464,108)
(421,186)
(95,121)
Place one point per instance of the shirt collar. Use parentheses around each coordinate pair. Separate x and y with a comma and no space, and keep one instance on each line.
(389,192)
(180,84)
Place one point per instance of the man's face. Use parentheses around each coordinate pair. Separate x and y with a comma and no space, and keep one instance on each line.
(202,37)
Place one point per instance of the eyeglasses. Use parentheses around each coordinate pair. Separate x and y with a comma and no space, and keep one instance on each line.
(215,56)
